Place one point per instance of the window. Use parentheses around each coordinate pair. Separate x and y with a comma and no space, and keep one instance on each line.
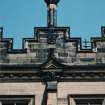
(16,100)
(63,54)
(88,101)
(3,45)
(41,53)
(101,49)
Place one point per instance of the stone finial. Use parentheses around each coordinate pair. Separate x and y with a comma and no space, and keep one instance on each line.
(52,2)
(1,33)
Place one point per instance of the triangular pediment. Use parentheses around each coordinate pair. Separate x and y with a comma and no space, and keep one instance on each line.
(52,64)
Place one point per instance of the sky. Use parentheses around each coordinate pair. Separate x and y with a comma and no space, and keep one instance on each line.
(19,17)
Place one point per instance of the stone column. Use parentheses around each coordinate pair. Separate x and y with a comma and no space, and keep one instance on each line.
(52,93)
(52,18)
(52,12)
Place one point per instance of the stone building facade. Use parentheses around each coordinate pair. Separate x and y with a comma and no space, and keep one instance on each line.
(52,68)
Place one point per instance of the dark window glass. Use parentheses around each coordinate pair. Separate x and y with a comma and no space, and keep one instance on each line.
(89,101)
(101,49)
(14,102)
(63,54)
(41,53)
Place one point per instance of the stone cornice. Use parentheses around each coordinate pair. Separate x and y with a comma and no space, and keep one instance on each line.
(31,73)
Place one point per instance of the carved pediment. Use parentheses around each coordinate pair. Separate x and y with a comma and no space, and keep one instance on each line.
(52,64)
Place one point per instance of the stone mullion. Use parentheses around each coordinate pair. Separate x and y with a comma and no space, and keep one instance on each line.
(103,103)
(62,101)
(0,102)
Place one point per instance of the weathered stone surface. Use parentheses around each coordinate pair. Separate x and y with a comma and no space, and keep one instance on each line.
(80,88)
(36,89)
